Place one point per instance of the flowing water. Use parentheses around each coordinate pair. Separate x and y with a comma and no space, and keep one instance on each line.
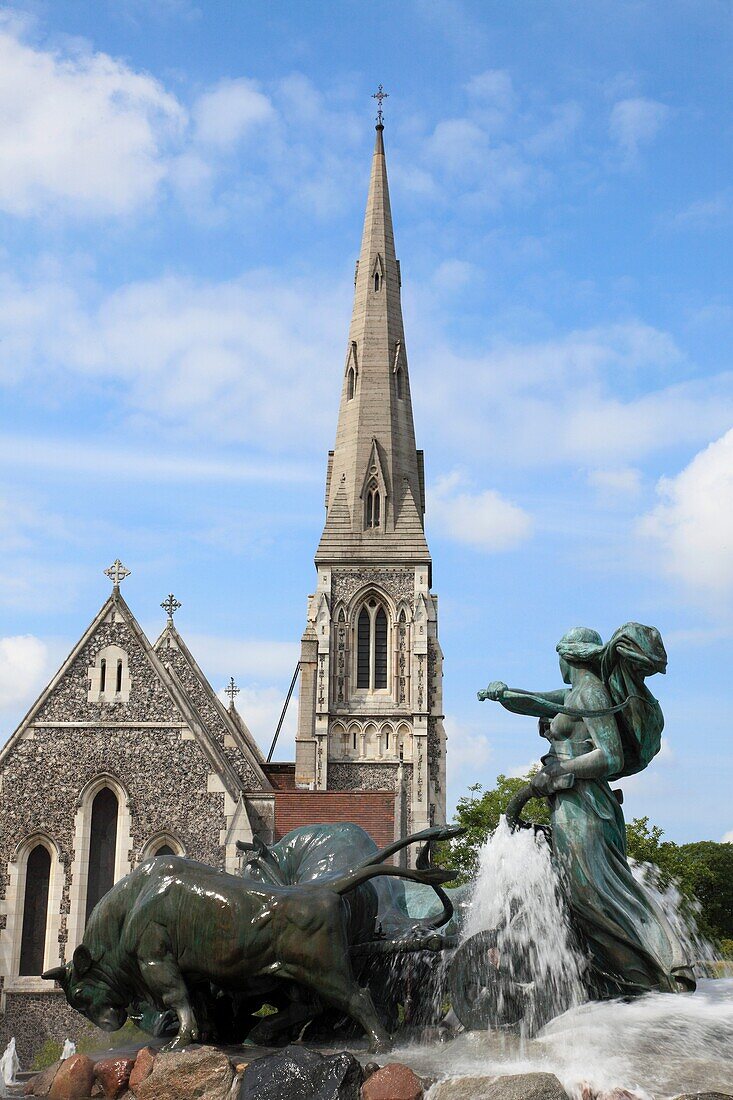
(655,1046)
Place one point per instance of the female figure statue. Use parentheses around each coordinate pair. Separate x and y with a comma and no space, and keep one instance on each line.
(605,726)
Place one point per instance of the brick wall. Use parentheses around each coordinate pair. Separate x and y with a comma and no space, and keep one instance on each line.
(373,810)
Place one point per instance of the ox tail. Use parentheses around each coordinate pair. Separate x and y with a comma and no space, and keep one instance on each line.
(434,876)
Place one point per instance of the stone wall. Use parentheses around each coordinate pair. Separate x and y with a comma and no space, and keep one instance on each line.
(34,1018)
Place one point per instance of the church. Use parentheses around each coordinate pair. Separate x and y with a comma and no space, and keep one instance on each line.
(129,752)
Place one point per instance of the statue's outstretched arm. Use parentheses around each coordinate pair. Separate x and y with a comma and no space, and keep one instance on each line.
(536,704)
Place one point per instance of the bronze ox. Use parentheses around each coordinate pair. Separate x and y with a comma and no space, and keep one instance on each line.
(174,925)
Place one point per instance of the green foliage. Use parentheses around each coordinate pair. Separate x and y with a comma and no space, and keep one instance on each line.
(49,1053)
(478,812)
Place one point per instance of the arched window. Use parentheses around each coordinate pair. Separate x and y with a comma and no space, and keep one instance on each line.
(35,911)
(102,847)
(102,676)
(350,383)
(118,684)
(165,850)
(371,649)
(373,504)
(376,280)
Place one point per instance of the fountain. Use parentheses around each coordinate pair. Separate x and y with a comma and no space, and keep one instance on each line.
(69,1048)
(560,957)
(9,1065)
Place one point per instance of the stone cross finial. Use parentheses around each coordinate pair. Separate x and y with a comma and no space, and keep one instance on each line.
(231,690)
(170,606)
(380,95)
(117,573)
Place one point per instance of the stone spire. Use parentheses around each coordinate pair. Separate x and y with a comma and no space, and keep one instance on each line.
(375,483)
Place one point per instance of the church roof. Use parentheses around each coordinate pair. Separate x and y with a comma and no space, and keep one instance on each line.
(375,437)
(177,696)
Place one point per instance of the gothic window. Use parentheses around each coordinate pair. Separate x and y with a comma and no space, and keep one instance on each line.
(377,280)
(373,504)
(372,632)
(398,382)
(350,384)
(102,676)
(165,850)
(102,847)
(35,911)
(118,683)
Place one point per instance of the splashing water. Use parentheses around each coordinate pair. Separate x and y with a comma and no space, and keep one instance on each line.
(518,892)
(9,1064)
(656,1046)
(69,1049)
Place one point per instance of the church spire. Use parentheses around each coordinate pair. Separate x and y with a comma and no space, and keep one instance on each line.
(375,484)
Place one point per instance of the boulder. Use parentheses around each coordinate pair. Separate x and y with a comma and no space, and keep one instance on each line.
(520,1086)
(297,1073)
(113,1075)
(40,1085)
(143,1067)
(74,1079)
(393,1082)
(197,1073)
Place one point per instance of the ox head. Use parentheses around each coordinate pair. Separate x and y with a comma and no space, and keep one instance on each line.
(89,991)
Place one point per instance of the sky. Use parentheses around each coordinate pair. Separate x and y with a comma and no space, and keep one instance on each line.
(182,188)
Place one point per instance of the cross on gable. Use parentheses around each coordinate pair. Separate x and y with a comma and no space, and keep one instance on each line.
(231,690)
(117,573)
(170,606)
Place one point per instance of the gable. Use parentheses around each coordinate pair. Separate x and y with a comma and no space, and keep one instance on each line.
(76,696)
(233,740)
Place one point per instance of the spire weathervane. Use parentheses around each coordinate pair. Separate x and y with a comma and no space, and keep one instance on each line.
(232,691)
(170,606)
(380,95)
(116,573)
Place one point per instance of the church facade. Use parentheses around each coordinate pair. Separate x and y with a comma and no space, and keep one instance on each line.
(129,752)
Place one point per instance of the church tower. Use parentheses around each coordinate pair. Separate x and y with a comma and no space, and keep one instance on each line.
(370,713)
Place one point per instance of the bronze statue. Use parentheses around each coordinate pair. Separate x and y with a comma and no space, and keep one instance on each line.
(179,935)
(605,726)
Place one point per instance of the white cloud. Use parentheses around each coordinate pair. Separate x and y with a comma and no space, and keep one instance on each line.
(636,122)
(81,131)
(602,395)
(260,707)
(484,519)
(705,213)
(23,663)
(727,838)
(231,361)
(693,523)
(622,481)
(230,111)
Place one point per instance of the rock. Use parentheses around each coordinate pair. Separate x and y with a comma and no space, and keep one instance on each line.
(74,1079)
(297,1072)
(393,1082)
(198,1073)
(520,1086)
(113,1074)
(40,1085)
(370,1068)
(705,1096)
(97,1090)
(143,1067)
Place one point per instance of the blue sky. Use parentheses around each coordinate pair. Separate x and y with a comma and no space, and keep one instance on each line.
(181,194)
